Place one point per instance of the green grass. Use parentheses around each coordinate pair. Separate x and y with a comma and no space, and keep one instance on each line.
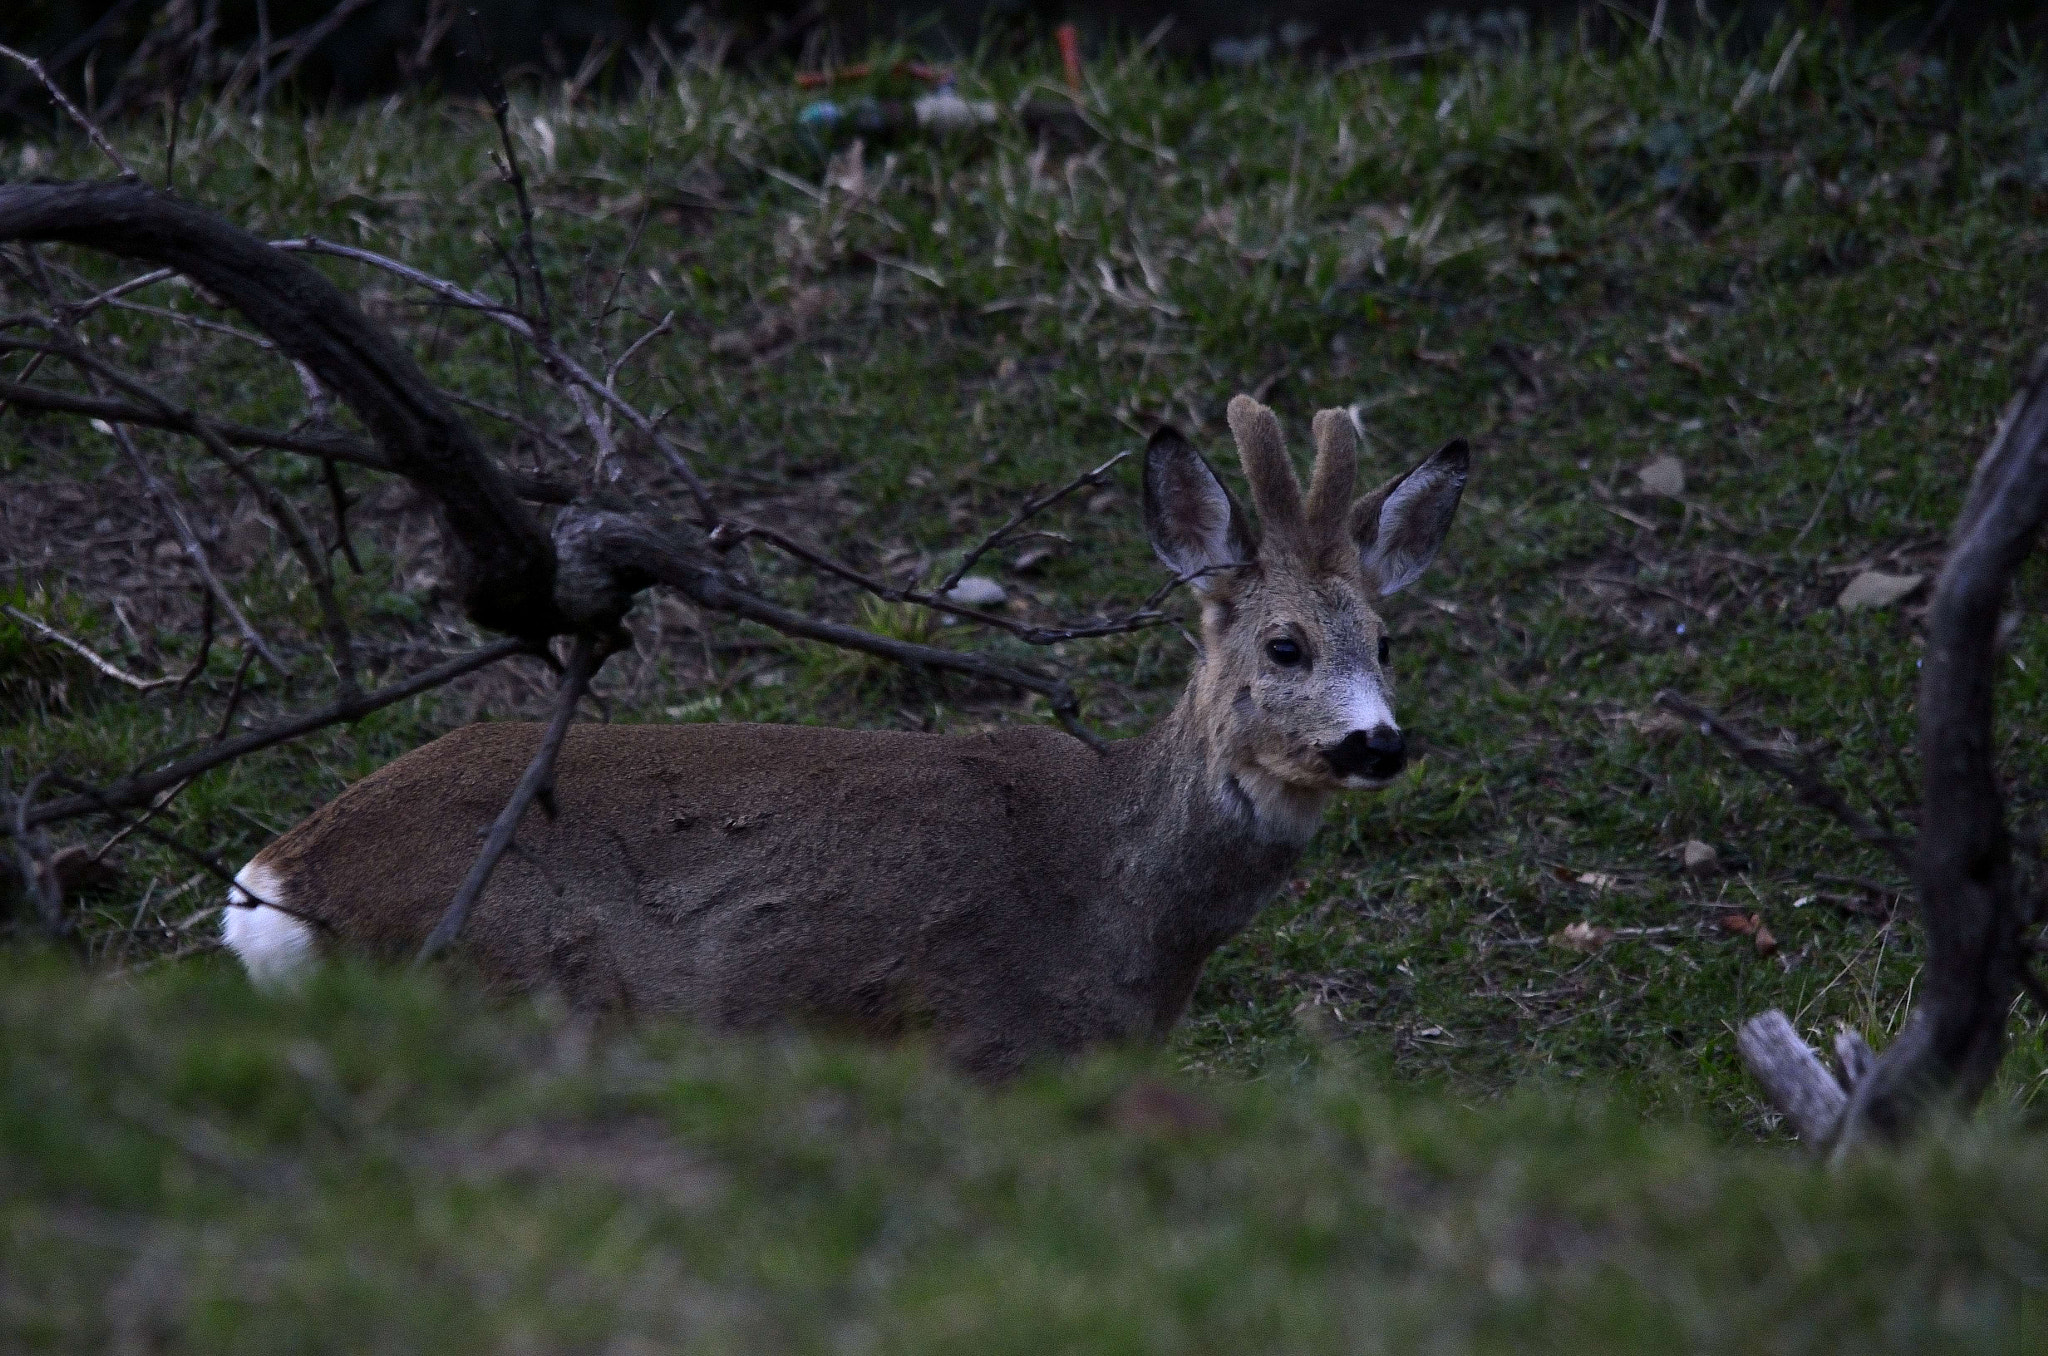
(381,1165)
(1816,296)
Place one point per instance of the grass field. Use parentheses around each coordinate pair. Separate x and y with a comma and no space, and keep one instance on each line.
(1402,1114)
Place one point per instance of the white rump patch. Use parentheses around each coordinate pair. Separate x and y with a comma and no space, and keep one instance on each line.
(274,947)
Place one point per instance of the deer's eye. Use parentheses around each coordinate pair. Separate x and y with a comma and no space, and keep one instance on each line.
(1386,648)
(1283,652)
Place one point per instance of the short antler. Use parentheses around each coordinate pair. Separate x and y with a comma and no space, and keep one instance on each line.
(1336,476)
(1275,491)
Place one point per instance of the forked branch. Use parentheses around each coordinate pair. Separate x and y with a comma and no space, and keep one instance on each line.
(535,784)
(1970,907)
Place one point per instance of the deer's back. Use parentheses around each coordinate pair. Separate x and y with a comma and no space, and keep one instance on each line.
(740,872)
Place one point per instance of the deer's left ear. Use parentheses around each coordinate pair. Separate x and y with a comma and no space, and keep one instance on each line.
(1195,525)
(1399,526)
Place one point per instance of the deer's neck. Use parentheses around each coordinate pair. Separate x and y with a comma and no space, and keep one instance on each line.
(1206,744)
(1215,839)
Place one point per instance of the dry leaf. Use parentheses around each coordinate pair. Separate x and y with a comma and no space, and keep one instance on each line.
(1443,358)
(1680,358)
(1654,725)
(1599,880)
(1766,944)
(1741,924)
(1582,937)
(1665,476)
(1875,588)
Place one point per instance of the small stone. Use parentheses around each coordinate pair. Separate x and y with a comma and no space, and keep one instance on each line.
(1700,858)
(1665,476)
(1875,588)
(976,590)
(1032,559)
(1582,937)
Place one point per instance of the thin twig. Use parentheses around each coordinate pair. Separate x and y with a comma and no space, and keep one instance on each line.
(280,508)
(151,811)
(206,861)
(667,325)
(199,661)
(105,666)
(551,354)
(1808,787)
(1065,708)
(32,853)
(536,783)
(1030,509)
(140,788)
(327,446)
(71,110)
(227,716)
(338,500)
(167,504)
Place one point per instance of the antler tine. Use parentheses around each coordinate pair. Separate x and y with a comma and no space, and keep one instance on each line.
(1335,477)
(1276,493)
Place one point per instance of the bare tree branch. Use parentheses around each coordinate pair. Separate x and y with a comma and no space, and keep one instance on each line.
(139,789)
(167,504)
(71,110)
(1794,1079)
(79,648)
(536,783)
(1030,509)
(503,560)
(1970,907)
(164,414)
(551,354)
(1804,783)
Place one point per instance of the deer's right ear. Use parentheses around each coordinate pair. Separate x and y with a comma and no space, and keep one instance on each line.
(1194,523)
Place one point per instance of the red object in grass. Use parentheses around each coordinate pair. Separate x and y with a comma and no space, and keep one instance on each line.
(1070,54)
(860,70)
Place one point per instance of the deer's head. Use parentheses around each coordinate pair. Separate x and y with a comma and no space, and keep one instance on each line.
(1293,685)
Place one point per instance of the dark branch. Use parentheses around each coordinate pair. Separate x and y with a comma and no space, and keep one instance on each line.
(164,414)
(535,784)
(1804,783)
(1030,509)
(139,789)
(506,567)
(1970,907)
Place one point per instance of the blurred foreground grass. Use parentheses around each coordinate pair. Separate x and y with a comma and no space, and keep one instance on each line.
(382,1165)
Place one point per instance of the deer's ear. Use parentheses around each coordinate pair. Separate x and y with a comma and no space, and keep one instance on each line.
(1399,526)
(1194,523)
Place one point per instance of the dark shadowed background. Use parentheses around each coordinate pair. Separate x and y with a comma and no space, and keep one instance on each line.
(107,52)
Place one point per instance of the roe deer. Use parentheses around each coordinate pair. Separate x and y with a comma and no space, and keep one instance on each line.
(1015,893)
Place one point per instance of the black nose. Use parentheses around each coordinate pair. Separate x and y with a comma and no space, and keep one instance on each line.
(1378,753)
